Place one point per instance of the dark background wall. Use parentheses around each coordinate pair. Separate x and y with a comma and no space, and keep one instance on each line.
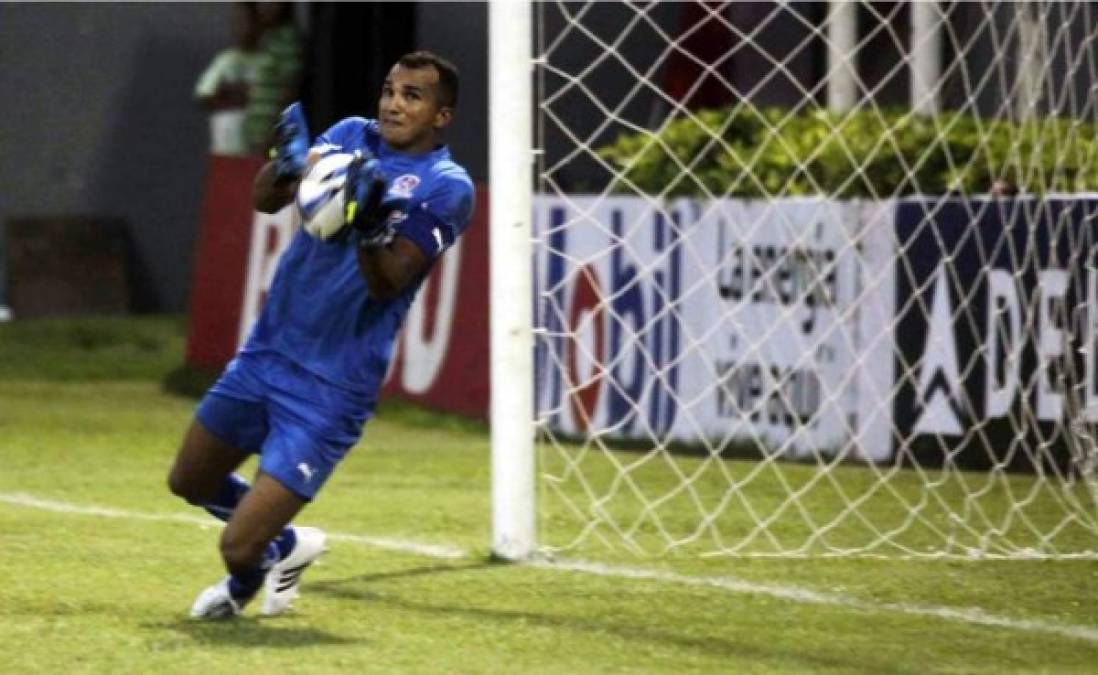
(98,116)
(354,44)
(98,119)
(459,31)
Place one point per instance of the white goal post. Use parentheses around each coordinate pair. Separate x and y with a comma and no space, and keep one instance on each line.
(794,279)
(510,162)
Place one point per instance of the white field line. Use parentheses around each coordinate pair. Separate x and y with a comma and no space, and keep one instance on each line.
(973,615)
(400,545)
(969,615)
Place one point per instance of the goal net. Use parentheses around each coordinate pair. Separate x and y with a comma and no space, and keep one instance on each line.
(816,279)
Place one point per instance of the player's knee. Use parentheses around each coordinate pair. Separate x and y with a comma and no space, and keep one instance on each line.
(183,487)
(240,552)
(178,484)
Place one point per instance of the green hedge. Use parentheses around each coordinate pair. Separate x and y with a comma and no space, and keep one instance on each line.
(752,152)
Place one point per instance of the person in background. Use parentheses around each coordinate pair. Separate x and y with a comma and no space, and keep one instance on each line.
(278,76)
(224,88)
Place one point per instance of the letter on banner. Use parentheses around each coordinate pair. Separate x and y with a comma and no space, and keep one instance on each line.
(939,369)
(1004,327)
(1050,400)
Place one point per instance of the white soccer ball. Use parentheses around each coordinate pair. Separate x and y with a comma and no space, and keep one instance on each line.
(320,197)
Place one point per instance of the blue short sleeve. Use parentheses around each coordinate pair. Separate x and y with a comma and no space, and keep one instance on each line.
(347,134)
(435,221)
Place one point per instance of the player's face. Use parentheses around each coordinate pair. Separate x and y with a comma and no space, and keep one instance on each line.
(409,111)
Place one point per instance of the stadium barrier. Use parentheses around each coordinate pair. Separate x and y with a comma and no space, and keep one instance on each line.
(995,301)
(940,329)
(221,262)
(850,295)
(661,328)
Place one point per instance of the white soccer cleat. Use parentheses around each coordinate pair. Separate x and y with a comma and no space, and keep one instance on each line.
(285,577)
(216,603)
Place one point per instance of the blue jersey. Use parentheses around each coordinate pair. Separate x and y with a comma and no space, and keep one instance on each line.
(318,312)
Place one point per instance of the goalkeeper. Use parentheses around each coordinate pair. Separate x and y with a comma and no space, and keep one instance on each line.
(306,380)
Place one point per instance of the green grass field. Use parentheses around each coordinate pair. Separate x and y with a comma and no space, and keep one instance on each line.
(101,564)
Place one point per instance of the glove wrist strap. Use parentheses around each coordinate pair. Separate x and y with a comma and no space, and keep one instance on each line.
(373,241)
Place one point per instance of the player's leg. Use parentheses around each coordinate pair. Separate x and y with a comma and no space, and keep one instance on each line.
(257,537)
(203,475)
(202,472)
(255,548)
(249,542)
(313,426)
(252,542)
(298,460)
(230,424)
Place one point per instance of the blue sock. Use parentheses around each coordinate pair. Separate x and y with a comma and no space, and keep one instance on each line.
(242,586)
(232,491)
(284,543)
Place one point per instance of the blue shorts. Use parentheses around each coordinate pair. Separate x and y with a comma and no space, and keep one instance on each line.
(300,425)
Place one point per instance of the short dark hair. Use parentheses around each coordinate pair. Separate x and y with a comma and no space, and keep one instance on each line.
(447,74)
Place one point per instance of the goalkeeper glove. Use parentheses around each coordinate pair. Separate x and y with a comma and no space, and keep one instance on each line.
(292,143)
(363,210)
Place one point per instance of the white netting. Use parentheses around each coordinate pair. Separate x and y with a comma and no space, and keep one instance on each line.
(817,278)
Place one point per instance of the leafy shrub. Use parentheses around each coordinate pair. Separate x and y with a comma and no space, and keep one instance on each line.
(764,152)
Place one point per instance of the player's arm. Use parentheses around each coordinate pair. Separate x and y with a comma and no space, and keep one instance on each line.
(276,183)
(390,259)
(387,262)
(387,269)
(270,193)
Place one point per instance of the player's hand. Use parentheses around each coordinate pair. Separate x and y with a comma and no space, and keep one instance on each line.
(291,150)
(363,210)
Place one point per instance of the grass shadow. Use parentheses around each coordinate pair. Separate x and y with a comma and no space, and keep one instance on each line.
(245,631)
(333,585)
(358,588)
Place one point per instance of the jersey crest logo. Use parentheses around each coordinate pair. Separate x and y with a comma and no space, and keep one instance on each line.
(403,186)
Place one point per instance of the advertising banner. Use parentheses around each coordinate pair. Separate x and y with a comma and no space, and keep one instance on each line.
(989,294)
(716,320)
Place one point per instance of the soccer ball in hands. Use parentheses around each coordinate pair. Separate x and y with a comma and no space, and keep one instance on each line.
(320,196)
